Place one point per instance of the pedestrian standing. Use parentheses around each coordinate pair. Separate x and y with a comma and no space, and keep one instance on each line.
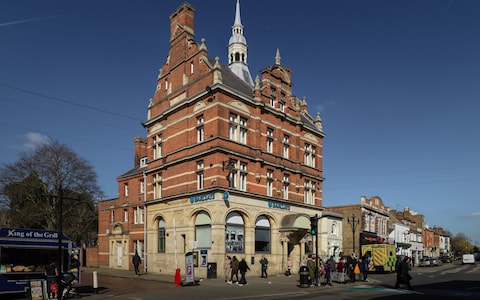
(264,263)
(351,263)
(136,260)
(235,265)
(366,266)
(331,266)
(289,267)
(403,277)
(243,267)
(341,270)
(311,270)
(227,267)
(52,274)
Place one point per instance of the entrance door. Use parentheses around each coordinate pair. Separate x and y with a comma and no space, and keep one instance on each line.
(119,254)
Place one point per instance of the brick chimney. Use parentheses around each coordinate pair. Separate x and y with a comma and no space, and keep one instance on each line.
(181,20)
(140,149)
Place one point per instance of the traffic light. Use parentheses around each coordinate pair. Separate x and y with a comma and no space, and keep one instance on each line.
(313,225)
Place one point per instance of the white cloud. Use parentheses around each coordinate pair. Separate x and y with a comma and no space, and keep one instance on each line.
(474,215)
(34,140)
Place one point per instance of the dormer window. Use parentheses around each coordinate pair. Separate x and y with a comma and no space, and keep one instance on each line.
(143,162)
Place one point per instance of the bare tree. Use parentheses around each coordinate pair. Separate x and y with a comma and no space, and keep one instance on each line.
(33,188)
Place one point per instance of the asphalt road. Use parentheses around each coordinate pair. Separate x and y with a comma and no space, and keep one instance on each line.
(450,281)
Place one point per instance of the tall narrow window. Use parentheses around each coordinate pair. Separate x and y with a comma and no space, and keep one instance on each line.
(269,183)
(157,146)
(142,186)
(112,216)
(138,247)
(200,129)
(125,215)
(157,185)
(286,146)
(200,175)
(243,130)
(125,189)
(243,176)
(161,235)
(191,67)
(285,186)
(269,140)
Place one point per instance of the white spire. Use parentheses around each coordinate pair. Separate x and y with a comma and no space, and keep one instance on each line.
(237,49)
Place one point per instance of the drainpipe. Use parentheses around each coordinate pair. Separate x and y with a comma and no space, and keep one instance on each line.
(145,265)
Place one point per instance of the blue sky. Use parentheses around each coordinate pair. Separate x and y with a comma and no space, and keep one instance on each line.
(397,84)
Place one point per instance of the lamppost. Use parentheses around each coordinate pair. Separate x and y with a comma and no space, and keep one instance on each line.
(353,221)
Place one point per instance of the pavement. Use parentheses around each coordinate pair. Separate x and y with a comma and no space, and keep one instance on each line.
(107,284)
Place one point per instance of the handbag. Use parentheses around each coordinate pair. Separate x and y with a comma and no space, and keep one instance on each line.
(356,270)
(54,287)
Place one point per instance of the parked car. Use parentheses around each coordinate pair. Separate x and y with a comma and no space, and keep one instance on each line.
(424,262)
(436,261)
(446,259)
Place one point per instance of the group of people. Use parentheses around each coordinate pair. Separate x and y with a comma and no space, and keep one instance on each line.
(232,267)
(348,269)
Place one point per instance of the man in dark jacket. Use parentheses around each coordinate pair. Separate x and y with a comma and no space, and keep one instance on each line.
(136,260)
(403,277)
(243,268)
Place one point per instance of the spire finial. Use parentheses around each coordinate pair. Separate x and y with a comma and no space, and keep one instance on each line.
(277,57)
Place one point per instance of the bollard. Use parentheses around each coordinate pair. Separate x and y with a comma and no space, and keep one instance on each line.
(95,282)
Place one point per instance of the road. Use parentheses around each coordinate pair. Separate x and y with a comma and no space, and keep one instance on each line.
(450,281)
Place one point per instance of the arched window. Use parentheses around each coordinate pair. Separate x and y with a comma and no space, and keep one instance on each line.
(235,233)
(203,230)
(161,235)
(262,235)
(334,229)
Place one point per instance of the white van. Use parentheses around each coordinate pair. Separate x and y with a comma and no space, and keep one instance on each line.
(468,259)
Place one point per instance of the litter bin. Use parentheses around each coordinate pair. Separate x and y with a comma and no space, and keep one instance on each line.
(304,277)
(211,270)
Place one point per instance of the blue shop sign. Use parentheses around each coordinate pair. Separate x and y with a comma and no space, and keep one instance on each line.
(201,198)
(278,205)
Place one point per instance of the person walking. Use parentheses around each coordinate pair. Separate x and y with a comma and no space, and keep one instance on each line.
(235,265)
(52,274)
(403,276)
(227,267)
(289,267)
(136,260)
(264,263)
(243,267)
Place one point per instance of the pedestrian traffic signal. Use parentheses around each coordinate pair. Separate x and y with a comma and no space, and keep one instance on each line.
(313,225)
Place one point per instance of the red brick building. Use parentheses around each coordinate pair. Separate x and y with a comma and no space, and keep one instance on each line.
(233,165)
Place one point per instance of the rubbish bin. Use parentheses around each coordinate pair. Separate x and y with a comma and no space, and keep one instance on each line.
(211,270)
(304,277)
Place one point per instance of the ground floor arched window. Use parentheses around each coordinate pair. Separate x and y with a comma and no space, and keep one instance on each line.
(235,233)
(161,236)
(262,235)
(203,230)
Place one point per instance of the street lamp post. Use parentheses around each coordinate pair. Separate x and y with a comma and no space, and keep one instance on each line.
(353,221)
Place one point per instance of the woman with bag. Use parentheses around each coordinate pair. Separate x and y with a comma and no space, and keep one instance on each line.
(403,277)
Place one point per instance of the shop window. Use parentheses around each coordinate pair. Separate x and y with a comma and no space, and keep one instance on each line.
(203,230)
(235,233)
(262,235)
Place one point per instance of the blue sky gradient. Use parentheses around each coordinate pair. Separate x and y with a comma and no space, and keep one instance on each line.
(397,84)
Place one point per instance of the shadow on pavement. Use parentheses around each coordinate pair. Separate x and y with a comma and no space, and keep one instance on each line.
(456,289)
